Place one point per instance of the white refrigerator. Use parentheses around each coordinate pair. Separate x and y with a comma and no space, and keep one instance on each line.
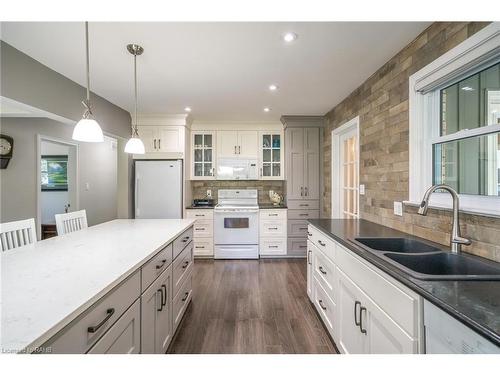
(158,189)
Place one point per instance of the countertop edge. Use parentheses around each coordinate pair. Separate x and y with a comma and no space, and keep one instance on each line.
(383,266)
(29,348)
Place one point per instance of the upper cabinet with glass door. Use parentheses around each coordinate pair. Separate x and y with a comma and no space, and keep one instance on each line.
(203,151)
(271,155)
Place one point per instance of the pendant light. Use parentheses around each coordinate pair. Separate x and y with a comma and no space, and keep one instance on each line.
(134,144)
(87,129)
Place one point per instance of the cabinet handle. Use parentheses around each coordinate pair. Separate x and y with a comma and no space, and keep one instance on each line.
(261,172)
(322,270)
(197,229)
(306,191)
(164,288)
(186,239)
(303,229)
(185,296)
(273,246)
(321,304)
(302,247)
(272,228)
(308,257)
(361,320)
(309,234)
(159,144)
(304,205)
(199,247)
(200,215)
(159,266)
(109,314)
(186,263)
(356,304)
(239,150)
(321,243)
(301,191)
(154,144)
(161,299)
(303,214)
(235,150)
(273,214)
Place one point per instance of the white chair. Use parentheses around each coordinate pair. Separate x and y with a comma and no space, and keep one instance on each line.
(17,234)
(71,222)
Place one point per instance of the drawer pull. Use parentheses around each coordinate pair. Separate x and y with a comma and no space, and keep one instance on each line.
(185,296)
(109,314)
(303,229)
(272,228)
(200,215)
(361,320)
(273,246)
(309,234)
(321,243)
(322,270)
(303,214)
(199,247)
(302,246)
(321,304)
(159,266)
(164,288)
(186,239)
(273,214)
(356,304)
(308,258)
(186,263)
(161,299)
(304,205)
(198,229)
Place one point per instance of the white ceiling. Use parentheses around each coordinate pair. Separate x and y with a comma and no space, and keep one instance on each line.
(221,70)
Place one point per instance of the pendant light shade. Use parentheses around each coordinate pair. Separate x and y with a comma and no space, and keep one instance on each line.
(134,144)
(87,129)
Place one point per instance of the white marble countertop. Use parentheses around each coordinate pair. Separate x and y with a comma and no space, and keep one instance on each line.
(48,284)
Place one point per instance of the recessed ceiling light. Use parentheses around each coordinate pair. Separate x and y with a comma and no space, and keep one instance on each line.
(467,88)
(267,109)
(273,87)
(187,109)
(290,37)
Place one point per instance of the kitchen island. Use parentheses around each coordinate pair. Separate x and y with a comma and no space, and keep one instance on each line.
(50,287)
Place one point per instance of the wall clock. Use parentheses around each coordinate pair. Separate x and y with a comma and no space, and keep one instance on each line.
(6,148)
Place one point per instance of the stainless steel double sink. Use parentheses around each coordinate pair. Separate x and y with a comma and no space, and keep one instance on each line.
(426,262)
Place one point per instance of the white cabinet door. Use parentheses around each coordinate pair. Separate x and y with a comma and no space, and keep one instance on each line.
(148,136)
(156,311)
(350,339)
(248,144)
(124,336)
(169,139)
(271,155)
(227,143)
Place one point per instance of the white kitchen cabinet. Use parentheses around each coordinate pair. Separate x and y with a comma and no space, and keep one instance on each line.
(272,232)
(203,231)
(373,312)
(203,153)
(156,314)
(271,155)
(237,143)
(124,336)
(165,139)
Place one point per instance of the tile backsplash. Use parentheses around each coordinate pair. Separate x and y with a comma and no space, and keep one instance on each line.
(199,188)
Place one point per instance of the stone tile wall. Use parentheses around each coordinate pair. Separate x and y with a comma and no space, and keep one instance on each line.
(382,104)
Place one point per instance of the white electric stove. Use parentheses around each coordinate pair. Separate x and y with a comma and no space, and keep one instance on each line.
(236,224)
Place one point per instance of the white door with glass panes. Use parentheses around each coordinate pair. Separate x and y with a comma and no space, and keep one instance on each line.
(271,156)
(345,171)
(203,151)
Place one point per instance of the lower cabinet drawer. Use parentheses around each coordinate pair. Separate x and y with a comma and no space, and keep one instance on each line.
(303,204)
(275,228)
(181,242)
(303,214)
(203,247)
(324,271)
(154,267)
(324,305)
(297,247)
(124,337)
(297,228)
(182,267)
(272,246)
(181,301)
(83,332)
(203,228)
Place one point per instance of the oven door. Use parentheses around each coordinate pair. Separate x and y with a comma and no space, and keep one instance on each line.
(236,227)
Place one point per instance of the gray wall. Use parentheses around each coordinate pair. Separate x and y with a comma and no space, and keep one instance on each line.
(27,81)
(97,167)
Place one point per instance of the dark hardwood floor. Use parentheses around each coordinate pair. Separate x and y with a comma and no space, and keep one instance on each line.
(250,306)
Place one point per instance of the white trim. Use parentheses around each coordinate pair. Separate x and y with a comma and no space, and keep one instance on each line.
(33,111)
(336,133)
(478,50)
(466,133)
(40,138)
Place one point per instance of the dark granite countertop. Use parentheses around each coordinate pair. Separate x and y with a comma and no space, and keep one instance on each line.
(474,303)
(269,206)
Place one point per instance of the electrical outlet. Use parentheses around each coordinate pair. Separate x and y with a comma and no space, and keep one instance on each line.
(362,189)
(398,208)
(209,193)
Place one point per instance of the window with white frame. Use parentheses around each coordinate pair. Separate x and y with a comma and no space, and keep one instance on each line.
(454,108)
